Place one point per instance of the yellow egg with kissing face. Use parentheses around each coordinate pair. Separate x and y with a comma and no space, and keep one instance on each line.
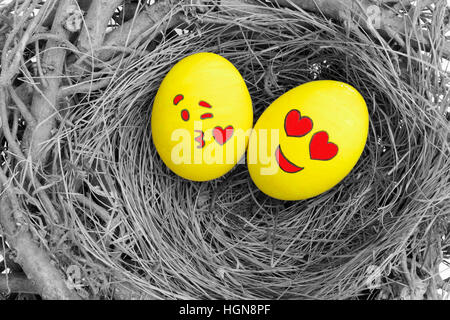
(308,140)
(202,117)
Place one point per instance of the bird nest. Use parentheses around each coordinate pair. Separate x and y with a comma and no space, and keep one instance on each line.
(133,229)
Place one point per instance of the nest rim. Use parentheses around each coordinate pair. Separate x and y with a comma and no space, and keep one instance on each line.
(135,226)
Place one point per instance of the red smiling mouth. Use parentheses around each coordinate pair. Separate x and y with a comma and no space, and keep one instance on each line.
(284,163)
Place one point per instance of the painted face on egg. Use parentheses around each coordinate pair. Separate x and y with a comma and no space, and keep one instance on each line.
(201,117)
(220,135)
(308,140)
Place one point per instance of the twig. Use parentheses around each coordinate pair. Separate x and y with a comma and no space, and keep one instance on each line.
(130,34)
(161,15)
(50,36)
(102,212)
(84,87)
(13,64)
(14,146)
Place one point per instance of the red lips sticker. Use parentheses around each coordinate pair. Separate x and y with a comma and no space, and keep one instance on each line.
(296,125)
(320,148)
(222,135)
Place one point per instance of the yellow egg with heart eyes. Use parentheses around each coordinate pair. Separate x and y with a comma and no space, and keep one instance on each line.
(308,140)
(202,117)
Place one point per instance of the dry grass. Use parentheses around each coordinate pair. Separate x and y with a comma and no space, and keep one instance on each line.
(129,220)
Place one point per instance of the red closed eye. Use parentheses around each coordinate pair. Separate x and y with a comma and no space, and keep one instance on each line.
(177,99)
(204,104)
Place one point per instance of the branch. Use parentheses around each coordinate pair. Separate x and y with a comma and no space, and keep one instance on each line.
(13,145)
(16,94)
(96,22)
(83,4)
(44,105)
(362,11)
(12,57)
(34,260)
(151,20)
(16,283)
(144,26)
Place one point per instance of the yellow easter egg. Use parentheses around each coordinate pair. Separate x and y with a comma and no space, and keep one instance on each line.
(202,117)
(308,140)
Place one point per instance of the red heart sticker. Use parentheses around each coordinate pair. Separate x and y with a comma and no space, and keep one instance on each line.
(320,148)
(295,125)
(222,135)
